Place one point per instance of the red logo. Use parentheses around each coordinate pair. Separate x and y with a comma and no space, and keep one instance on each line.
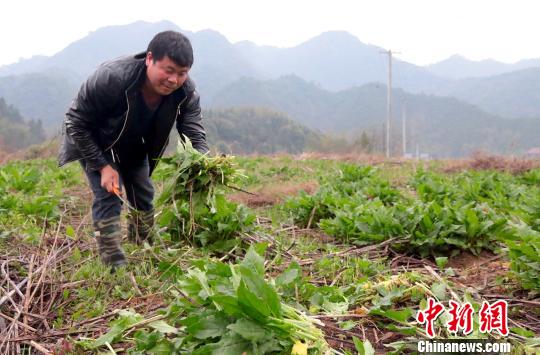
(491,317)
(494,317)
(461,318)
(429,316)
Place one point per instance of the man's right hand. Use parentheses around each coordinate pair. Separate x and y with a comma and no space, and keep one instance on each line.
(109,179)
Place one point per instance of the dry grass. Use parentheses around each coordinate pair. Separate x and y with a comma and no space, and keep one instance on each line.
(371,159)
(3,157)
(484,161)
(46,150)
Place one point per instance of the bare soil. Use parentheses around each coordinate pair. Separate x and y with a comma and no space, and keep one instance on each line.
(273,194)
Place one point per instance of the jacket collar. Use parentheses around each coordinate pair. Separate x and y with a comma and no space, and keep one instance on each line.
(140,73)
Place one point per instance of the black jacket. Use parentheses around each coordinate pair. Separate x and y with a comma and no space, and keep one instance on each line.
(105,107)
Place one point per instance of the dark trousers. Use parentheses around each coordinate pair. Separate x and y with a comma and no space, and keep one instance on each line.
(138,187)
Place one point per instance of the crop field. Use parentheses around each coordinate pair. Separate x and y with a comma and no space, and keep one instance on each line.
(284,254)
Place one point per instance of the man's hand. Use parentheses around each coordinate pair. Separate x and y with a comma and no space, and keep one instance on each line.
(110,179)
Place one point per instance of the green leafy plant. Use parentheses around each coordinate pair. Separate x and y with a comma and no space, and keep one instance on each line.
(234,307)
(524,252)
(220,308)
(193,206)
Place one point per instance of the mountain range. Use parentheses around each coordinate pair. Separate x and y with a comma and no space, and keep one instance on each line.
(333,82)
(459,67)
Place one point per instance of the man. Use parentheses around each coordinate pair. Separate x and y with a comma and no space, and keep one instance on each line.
(118,126)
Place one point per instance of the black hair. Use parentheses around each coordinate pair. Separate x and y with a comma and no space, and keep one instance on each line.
(174,45)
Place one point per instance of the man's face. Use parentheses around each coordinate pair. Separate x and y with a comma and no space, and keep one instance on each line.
(164,75)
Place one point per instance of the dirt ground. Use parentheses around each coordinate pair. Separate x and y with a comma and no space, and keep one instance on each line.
(272,194)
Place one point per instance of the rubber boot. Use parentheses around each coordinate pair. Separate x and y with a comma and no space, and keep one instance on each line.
(140,227)
(108,235)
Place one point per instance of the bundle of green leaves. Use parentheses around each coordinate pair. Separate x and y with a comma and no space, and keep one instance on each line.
(232,309)
(219,308)
(189,172)
(193,204)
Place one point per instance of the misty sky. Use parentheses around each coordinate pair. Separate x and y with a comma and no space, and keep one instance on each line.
(424,31)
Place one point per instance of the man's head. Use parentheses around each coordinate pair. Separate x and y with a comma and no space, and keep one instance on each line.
(168,60)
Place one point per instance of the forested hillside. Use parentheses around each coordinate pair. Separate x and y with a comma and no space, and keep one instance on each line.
(15,132)
(256,130)
(441,126)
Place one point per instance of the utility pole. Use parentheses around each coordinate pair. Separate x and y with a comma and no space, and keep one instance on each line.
(389,102)
(404,127)
(383,140)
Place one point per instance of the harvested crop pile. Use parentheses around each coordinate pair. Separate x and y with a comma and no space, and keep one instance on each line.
(193,203)
(232,309)
(220,308)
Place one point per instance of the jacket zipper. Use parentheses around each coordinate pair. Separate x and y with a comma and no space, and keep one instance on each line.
(125,123)
(177,114)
